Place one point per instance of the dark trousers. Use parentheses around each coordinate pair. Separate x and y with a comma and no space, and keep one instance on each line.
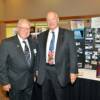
(51,87)
(21,94)
(37,92)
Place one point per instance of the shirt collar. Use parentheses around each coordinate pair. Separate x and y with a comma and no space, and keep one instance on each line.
(20,39)
(55,30)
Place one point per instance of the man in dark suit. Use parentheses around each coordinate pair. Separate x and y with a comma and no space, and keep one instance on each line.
(17,63)
(57,59)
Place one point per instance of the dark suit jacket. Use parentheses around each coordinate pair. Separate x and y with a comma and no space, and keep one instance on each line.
(65,60)
(13,67)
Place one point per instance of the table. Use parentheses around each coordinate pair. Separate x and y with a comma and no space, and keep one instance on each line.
(87,87)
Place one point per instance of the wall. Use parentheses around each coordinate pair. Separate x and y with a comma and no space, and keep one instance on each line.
(38,8)
(2,3)
(2,25)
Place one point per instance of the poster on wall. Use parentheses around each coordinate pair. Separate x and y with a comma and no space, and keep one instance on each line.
(77,24)
(95,22)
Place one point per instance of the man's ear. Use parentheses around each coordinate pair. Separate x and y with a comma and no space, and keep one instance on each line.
(16,29)
(58,20)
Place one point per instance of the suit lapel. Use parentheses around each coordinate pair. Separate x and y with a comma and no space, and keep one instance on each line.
(31,47)
(45,42)
(19,48)
(59,43)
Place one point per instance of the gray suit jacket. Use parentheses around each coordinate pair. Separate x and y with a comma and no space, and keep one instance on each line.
(65,60)
(13,67)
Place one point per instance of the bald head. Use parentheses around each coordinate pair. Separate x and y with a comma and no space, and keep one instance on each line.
(52,20)
(52,13)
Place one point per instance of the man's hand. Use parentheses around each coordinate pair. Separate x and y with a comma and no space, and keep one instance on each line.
(35,76)
(73,77)
(6,87)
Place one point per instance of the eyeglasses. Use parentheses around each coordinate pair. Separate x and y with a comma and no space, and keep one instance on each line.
(24,28)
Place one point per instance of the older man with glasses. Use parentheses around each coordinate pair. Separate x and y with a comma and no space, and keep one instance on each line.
(17,63)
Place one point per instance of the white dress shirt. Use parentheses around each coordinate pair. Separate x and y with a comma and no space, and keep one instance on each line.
(56,31)
(23,44)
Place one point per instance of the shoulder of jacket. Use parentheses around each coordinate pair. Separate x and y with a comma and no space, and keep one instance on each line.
(8,39)
(43,33)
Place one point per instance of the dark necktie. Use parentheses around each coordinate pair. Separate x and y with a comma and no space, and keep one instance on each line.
(51,53)
(27,54)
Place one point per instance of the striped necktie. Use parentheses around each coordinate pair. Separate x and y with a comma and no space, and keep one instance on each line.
(27,54)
